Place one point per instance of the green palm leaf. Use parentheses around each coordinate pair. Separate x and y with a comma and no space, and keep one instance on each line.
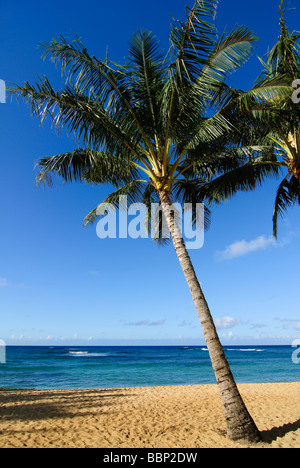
(246,177)
(230,52)
(284,200)
(96,167)
(194,40)
(133,191)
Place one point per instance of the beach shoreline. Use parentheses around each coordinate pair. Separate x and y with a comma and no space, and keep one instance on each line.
(189,416)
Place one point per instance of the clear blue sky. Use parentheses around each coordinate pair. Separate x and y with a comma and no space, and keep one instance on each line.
(61,284)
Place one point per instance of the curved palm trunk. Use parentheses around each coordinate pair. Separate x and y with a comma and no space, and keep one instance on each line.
(240,425)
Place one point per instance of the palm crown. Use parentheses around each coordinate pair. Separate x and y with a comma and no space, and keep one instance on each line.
(158,122)
(284,58)
(282,138)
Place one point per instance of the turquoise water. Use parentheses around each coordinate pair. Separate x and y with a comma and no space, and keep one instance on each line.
(113,367)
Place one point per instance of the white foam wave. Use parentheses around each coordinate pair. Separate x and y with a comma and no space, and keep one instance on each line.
(244,349)
(86,354)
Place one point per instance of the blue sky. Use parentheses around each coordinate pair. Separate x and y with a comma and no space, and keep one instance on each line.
(59,283)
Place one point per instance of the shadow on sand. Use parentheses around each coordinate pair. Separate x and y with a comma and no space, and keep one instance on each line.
(37,404)
(279,432)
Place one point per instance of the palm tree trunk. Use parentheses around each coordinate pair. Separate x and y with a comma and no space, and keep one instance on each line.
(240,425)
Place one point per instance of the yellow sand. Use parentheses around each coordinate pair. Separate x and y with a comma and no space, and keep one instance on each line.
(159,417)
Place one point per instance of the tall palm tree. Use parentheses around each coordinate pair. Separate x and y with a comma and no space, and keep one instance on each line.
(281,140)
(158,127)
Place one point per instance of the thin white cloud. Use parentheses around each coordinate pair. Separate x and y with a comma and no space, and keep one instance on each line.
(241,248)
(157,323)
(226,322)
(146,323)
(184,323)
(257,326)
(4,283)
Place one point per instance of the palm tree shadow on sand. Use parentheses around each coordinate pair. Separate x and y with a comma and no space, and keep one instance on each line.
(279,432)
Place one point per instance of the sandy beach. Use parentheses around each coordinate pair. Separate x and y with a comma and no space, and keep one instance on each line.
(158,417)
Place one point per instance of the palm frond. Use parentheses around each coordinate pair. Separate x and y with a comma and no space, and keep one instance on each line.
(284,57)
(93,167)
(209,129)
(107,83)
(244,178)
(188,191)
(275,91)
(283,201)
(194,39)
(211,164)
(145,72)
(71,166)
(230,52)
(83,115)
(134,194)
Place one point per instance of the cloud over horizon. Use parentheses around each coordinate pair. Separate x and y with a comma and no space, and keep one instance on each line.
(226,322)
(146,323)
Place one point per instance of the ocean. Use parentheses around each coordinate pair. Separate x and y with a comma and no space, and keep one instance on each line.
(61,367)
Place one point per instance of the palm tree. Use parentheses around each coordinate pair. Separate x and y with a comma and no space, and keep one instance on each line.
(284,59)
(281,140)
(145,128)
(288,193)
